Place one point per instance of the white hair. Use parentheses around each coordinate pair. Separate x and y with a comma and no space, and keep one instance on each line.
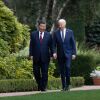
(62,20)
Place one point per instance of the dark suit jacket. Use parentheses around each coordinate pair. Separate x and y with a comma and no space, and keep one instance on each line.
(43,50)
(66,48)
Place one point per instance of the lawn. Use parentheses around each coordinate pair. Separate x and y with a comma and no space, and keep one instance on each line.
(72,95)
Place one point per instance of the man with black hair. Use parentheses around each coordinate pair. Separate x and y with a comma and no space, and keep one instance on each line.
(41,50)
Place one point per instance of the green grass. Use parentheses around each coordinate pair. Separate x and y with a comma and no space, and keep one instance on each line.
(73,95)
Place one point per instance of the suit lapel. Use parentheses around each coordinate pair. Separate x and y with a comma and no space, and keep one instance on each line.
(59,36)
(37,37)
(44,37)
(66,35)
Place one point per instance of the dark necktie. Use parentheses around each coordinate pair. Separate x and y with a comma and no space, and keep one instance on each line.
(41,37)
(62,35)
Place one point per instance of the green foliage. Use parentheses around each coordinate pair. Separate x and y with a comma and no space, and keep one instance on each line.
(78,13)
(11,31)
(24,53)
(77,81)
(4,48)
(23,68)
(77,25)
(7,68)
(93,35)
(54,83)
(85,63)
(17,66)
(14,36)
(98,68)
(17,85)
(30,84)
(13,67)
(83,66)
(51,69)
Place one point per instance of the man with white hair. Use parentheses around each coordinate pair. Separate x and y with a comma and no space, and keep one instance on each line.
(64,50)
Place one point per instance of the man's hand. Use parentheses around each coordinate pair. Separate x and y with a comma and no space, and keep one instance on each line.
(55,56)
(73,57)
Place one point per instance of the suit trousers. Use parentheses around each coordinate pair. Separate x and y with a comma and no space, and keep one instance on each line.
(64,66)
(40,70)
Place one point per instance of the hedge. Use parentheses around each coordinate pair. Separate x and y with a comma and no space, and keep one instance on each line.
(17,85)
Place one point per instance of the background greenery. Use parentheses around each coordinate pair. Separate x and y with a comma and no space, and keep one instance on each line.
(18,18)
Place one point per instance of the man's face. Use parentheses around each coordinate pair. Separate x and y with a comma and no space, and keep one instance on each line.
(42,27)
(61,25)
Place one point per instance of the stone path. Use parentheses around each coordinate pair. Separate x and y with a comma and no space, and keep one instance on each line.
(35,92)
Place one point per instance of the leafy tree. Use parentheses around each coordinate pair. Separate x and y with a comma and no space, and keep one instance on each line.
(12,31)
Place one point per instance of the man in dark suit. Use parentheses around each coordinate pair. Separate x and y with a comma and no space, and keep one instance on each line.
(64,45)
(41,50)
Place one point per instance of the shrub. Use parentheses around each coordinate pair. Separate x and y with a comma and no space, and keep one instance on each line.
(83,66)
(93,34)
(7,68)
(30,84)
(11,31)
(17,85)
(51,69)
(13,67)
(77,81)
(85,63)
(23,68)
(4,48)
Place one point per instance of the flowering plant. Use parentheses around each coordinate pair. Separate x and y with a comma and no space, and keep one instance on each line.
(96,72)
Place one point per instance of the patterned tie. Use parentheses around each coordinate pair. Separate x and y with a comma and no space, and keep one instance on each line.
(62,35)
(41,37)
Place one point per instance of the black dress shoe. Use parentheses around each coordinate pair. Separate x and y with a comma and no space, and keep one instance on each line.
(42,90)
(67,88)
(63,90)
(39,89)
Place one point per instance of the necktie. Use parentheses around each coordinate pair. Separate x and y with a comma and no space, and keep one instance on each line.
(62,35)
(41,37)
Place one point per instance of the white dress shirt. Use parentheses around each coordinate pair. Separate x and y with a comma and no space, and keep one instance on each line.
(40,34)
(64,31)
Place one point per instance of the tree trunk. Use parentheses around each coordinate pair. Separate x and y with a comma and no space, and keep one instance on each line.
(47,9)
(54,9)
(59,13)
(62,8)
(38,13)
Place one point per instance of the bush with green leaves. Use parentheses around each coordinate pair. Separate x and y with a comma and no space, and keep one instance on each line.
(7,67)
(14,85)
(51,69)
(4,48)
(19,67)
(82,66)
(23,68)
(13,67)
(93,34)
(85,63)
(13,32)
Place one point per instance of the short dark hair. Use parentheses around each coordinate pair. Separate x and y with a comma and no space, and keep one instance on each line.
(41,22)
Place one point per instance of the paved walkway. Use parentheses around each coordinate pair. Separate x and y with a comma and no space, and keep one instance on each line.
(35,92)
